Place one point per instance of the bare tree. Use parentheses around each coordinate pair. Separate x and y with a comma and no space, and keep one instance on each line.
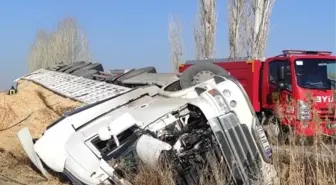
(205,29)
(66,44)
(199,39)
(175,42)
(249,27)
(236,10)
(41,46)
(262,13)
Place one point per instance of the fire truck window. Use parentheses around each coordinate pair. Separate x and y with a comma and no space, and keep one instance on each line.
(288,77)
(273,73)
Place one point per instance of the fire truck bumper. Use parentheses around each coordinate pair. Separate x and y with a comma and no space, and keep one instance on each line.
(311,128)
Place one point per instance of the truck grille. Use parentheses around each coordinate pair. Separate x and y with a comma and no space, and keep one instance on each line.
(240,152)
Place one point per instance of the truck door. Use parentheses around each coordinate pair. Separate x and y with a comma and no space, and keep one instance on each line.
(279,97)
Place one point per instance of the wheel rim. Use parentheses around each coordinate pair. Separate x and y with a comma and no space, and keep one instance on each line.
(202,76)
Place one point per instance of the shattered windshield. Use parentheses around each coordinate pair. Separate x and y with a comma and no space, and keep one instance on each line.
(316,73)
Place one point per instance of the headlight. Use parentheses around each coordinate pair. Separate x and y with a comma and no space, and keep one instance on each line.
(303,111)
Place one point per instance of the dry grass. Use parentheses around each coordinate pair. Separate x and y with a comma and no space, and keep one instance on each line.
(33,107)
(164,175)
(153,176)
(295,164)
(300,166)
(310,161)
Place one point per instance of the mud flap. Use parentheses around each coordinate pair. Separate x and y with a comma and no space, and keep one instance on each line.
(28,146)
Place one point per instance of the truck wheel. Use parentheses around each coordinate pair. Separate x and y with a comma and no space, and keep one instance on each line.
(136,72)
(199,73)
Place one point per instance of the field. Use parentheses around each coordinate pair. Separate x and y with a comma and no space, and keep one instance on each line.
(35,107)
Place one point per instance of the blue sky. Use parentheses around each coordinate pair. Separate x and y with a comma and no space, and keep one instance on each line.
(126,33)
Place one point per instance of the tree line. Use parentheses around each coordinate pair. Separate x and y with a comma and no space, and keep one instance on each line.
(248,28)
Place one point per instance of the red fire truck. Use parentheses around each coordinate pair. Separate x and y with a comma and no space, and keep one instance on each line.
(287,91)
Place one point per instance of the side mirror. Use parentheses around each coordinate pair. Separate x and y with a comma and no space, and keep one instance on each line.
(281,73)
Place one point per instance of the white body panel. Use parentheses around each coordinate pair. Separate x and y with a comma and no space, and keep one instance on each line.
(50,147)
(160,79)
(28,146)
(81,89)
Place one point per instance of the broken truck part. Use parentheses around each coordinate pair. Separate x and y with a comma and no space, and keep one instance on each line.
(188,127)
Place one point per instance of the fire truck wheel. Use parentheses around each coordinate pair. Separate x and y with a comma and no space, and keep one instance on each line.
(136,72)
(199,73)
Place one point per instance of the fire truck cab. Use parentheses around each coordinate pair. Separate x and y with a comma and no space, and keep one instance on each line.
(295,89)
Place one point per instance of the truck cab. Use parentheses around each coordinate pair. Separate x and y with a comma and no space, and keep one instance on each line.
(290,90)
(300,87)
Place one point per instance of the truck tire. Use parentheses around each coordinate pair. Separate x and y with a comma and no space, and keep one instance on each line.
(62,69)
(76,67)
(199,73)
(136,72)
(93,66)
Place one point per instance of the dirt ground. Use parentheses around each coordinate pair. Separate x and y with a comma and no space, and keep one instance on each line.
(34,107)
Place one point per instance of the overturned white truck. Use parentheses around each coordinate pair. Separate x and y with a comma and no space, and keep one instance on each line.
(188,126)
